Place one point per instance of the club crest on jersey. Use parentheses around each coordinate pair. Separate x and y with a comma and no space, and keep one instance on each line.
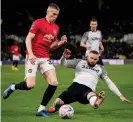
(55,32)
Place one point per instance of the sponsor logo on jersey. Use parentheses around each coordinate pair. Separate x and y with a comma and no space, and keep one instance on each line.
(91,68)
(95,38)
(48,37)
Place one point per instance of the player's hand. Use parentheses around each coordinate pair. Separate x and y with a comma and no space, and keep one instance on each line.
(63,39)
(124,99)
(88,46)
(32,58)
(67,53)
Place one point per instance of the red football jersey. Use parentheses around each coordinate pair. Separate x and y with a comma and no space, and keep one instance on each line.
(45,34)
(15,50)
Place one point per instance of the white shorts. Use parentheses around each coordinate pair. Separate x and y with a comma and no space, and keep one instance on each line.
(41,64)
(15,57)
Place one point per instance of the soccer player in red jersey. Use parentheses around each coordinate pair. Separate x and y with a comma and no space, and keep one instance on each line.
(40,39)
(14,49)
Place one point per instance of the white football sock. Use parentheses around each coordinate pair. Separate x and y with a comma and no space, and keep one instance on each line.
(13,87)
(92,100)
(41,107)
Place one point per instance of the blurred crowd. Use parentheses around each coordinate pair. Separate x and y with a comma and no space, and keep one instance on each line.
(113,49)
(118,50)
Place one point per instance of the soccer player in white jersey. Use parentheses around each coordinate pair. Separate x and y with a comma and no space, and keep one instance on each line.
(92,40)
(83,88)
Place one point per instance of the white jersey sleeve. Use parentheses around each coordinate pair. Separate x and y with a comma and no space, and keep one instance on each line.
(69,63)
(110,84)
(84,38)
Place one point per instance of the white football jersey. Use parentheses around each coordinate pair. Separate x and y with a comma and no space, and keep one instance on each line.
(92,38)
(84,74)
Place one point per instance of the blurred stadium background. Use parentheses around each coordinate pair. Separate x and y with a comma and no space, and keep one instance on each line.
(115,20)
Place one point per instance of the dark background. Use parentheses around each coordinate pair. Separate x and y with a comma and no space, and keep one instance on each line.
(73,12)
(115,17)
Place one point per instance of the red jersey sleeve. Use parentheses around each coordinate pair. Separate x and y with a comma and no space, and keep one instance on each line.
(35,26)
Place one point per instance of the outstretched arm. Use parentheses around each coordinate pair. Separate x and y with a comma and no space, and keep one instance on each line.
(112,86)
(69,63)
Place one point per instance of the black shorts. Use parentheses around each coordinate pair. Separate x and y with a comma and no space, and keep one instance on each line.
(100,61)
(76,93)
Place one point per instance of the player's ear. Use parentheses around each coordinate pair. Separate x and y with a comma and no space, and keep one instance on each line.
(47,11)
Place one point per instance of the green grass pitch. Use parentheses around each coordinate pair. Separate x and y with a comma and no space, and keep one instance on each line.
(22,105)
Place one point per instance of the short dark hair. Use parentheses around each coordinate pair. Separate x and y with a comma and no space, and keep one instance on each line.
(55,6)
(93,19)
(94,52)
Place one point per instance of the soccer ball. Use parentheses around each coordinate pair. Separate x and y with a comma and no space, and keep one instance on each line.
(66,111)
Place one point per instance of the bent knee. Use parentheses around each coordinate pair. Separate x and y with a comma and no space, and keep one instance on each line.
(53,83)
(30,84)
(58,101)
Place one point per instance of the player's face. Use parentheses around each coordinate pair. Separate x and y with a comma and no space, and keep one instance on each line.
(93,59)
(93,25)
(52,14)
